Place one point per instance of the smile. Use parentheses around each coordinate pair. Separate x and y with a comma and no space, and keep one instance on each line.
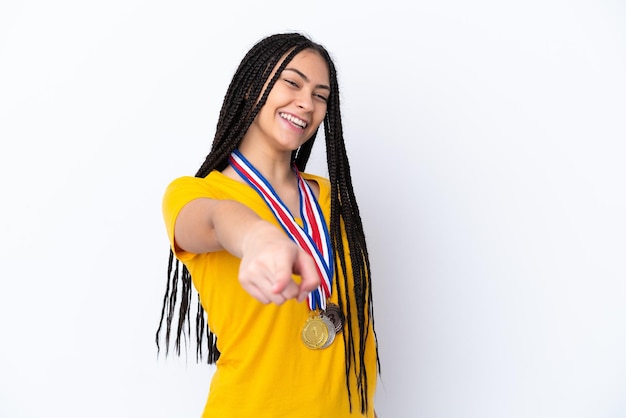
(294,120)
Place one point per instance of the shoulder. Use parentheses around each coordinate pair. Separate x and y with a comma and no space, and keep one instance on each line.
(200,186)
(320,185)
(321,181)
(182,190)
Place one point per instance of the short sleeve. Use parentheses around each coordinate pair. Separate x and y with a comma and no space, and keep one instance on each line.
(177,194)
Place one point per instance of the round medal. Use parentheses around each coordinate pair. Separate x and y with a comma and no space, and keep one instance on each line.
(331,332)
(335,315)
(315,333)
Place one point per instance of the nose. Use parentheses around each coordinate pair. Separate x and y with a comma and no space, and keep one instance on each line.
(305,102)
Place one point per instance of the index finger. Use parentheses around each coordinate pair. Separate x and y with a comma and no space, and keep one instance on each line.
(306,268)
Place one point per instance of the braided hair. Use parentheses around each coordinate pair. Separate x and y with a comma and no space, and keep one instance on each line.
(244,98)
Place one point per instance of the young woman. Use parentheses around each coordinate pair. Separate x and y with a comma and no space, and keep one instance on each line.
(277,256)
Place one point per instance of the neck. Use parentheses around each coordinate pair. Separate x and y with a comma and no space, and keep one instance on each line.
(278,173)
(275,167)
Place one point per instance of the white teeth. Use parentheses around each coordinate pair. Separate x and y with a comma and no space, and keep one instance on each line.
(296,121)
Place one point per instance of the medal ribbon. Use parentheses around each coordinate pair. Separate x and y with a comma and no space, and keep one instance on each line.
(313,236)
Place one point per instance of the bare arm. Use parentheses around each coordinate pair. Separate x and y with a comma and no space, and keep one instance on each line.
(268,256)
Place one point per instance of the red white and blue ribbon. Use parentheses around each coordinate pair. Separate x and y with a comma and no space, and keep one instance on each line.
(313,236)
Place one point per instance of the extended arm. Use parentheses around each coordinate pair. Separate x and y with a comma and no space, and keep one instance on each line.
(268,256)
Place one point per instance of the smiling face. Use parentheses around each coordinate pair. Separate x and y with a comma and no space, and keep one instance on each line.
(295,107)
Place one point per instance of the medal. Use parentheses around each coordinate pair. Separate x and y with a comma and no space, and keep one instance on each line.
(331,331)
(334,314)
(318,332)
(315,333)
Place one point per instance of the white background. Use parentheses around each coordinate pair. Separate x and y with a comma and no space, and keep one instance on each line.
(487,146)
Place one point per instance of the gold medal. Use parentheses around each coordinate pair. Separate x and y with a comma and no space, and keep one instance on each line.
(318,332)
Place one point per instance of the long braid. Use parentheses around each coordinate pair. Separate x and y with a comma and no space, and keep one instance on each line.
(344,208)
(244,98)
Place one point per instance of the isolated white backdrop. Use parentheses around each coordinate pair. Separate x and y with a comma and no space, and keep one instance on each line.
(487,147)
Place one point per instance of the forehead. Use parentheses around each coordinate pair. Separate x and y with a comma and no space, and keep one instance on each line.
(312,65)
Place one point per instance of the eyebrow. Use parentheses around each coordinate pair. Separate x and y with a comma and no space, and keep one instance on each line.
(305,78)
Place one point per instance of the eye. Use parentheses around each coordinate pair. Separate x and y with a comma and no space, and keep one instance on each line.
(321,97)
(291,82)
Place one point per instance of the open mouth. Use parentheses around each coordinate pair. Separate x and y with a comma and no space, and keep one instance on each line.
(294,120)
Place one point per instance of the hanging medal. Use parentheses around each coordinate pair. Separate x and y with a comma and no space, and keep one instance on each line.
(334,314)
(325,320)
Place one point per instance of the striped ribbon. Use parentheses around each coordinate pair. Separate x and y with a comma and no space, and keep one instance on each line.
(313,236)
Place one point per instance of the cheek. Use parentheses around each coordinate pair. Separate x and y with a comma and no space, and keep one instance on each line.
(320,114)
(265,114)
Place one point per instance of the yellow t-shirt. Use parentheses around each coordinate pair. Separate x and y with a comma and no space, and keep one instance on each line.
(264,369)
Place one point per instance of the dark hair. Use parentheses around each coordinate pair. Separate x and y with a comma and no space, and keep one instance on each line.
(243,100)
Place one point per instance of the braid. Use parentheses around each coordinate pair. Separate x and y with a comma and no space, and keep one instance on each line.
(345,213)
(244,99)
